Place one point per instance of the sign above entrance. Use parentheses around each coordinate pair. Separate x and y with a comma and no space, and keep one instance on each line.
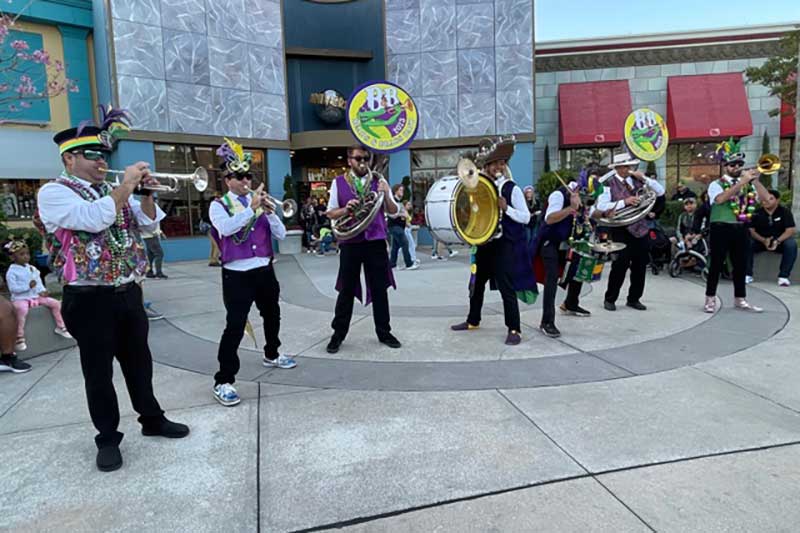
(382,116)
(646,134)
(329,105)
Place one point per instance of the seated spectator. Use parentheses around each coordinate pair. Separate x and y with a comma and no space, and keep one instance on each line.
(685,236)
(27,291)
(683,192)
(325,240)
(772,229)
(701,216)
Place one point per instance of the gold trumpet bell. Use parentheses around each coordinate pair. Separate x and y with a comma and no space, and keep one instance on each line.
(769,164)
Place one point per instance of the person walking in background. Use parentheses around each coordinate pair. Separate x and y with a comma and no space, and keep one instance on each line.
(27,290)
(412,245)
(308,217)
(155,254)
(397,227)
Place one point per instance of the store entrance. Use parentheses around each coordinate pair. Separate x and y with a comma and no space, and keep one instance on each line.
(315,169)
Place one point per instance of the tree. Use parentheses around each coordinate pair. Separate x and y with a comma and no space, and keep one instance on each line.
(406,188)
(27,76)
(547,157)
(651,168)
(779,73)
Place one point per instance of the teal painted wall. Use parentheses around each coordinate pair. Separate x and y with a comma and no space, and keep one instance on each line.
(312,25)
(130,152)
(399,166)
(76,61)
(185,249)
(522,164)
(279,164)
(73,12)
(102,62)
(39,110)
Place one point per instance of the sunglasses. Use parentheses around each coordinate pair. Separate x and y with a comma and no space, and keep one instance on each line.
(240,178)
(359,159)
(737,164)
(93,155)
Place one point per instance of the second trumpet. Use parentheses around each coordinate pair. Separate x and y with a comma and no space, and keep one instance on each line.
(287,207)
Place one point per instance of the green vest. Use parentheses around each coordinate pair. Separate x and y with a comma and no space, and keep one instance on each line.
(722,213)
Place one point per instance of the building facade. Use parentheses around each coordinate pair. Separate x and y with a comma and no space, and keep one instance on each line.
(275,76)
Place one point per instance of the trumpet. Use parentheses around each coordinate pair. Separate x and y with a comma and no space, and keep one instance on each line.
(288,207)
(198,178)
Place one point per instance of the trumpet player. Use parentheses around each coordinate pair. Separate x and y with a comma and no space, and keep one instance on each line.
(368,248)
(621,190)
(94,237)
(244,223)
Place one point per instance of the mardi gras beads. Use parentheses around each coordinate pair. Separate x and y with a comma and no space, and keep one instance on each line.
(743,205)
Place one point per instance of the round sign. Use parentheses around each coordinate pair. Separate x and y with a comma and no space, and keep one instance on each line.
(382,116)
(646,134)
(330,107)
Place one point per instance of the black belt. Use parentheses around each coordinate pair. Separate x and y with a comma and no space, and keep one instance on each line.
(86,289)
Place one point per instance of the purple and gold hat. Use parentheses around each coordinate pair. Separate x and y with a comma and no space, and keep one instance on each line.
(114,124)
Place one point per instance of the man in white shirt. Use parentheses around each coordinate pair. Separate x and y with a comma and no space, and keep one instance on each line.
(621,190)
(505,261)
(94,236)
(244,223)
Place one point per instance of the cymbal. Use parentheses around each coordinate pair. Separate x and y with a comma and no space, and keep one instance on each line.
(468,173)
(608,247)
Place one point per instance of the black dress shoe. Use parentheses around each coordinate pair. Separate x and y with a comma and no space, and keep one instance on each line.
(333,345)
(550,330)
(463,326)
(168,429)
(109,459)
(609,306)
(390,341)
(639,306)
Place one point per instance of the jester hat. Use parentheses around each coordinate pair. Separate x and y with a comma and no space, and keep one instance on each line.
(234,159)
(114,125)
(730,151)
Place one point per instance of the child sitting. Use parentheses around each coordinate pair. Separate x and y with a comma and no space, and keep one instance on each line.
(325,240)
(25,285)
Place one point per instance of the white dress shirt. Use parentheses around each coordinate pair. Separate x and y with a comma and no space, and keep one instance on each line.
(518,210)
(61,207)
(18,279)
(555,202)
(333,199)
(228,225)
(604,202)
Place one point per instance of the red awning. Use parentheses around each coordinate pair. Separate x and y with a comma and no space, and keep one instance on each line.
(711,106)
(592,113)
(788,120)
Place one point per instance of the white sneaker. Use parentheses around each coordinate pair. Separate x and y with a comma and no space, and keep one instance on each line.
(748,279)
(784,282)
(453,252)
(20,345)
(283,361)
(415,266)
(742,305)
(226,394)
(63,332)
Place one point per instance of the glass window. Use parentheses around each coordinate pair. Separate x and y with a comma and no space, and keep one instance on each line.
(426,167)
(18,198)
(187,207)
(693,164)
(578,158)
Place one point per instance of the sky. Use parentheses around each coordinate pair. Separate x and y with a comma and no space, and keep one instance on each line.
(580,19)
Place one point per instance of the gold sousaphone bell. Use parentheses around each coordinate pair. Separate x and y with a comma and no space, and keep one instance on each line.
(476,215)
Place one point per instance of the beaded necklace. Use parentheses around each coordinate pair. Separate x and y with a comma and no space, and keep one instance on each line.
(355,182)
(117,236)
(243,234)
(743,205)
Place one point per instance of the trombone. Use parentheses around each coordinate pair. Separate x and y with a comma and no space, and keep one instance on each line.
(767,165)
(198,178)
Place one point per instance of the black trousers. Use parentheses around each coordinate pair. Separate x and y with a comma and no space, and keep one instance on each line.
(494,262)
(239,290)
(635,256)
(551,259)
(372,255)
(733,239)
(110,322)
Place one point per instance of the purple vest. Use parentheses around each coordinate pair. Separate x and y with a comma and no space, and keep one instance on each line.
(619,191)
(258,242)
(376,231)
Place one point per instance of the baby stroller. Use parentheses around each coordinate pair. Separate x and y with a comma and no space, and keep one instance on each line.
(659,249)
(694,259)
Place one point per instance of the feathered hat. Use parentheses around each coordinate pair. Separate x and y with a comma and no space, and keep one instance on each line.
(235,159)
(13,247)
(730,151)
(114,125)
(491,150)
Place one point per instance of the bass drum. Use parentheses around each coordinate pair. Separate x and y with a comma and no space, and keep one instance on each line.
(456,215)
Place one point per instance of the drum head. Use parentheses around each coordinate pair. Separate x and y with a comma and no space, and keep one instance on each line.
(475,212)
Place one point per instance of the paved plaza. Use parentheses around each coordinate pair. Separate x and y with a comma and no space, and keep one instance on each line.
(665,420)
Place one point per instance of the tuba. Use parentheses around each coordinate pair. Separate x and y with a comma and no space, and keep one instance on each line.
(358,219)
(630,213)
